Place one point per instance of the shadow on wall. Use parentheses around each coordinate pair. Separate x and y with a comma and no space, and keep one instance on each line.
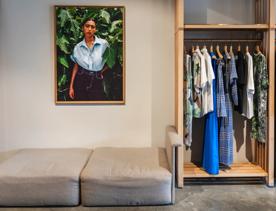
(242,144)
(214,11)
(197,144)
(242,130)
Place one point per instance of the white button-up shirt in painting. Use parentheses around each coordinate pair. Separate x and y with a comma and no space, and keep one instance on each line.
(90,58)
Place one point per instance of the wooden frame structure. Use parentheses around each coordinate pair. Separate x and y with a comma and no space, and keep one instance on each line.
(262,164)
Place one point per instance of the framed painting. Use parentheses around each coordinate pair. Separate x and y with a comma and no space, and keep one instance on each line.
(89,54)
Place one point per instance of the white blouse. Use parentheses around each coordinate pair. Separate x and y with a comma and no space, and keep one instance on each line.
(249,91)
(207,104)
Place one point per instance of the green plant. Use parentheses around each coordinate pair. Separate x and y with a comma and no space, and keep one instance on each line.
(109,23)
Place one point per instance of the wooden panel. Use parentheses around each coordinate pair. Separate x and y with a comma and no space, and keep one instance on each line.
(271,92)
(225,26)
(263,156)
(179,49)
(256,11)
(266,158)
(237,170)
(179,14)
(257,153)
(179,103)
(179,46)
(263,6)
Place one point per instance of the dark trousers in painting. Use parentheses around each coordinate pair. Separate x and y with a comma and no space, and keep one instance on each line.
(88,86)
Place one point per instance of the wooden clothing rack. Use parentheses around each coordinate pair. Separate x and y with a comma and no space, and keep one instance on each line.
(212,40)
(261,163)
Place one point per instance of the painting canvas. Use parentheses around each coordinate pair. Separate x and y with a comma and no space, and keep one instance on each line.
(89,54)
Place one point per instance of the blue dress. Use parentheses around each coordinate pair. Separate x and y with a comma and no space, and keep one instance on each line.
(211,148)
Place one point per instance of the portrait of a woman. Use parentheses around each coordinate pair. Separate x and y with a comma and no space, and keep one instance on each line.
(88,71)
(90,55)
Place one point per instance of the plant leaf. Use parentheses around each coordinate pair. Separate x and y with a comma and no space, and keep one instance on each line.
(105,15)
(62,80)
(75,28)
(120,54)
(115,25)
(64,16)
(109,57)
(63,61)
(62,43)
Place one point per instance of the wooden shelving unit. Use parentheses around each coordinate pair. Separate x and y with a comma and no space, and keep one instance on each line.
(262,164)
(192,170)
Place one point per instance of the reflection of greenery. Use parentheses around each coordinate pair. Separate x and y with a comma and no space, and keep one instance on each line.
(69,33)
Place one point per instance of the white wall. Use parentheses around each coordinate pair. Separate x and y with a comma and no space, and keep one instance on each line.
(219,11)
(28,114)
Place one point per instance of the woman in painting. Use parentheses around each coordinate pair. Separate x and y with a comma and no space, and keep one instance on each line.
(87,76)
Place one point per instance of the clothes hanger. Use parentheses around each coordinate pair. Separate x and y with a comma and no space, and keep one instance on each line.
(225,48)
(211,48)
(204,48)
(258,49)
(246,49)
(226,52)
(212,51)
(193,49)
(239,47)
(218,52)
(185,51)
(231,51)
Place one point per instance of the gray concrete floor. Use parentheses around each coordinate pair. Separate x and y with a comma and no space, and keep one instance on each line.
(197,198)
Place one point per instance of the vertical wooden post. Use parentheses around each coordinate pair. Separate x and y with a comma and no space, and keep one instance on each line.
(258,21)
(179,63)
(271,92)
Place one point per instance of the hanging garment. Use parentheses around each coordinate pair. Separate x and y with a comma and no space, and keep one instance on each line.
(233,82)
(226,134)
(200,81)
(207,92)
(241,80)
(188,101)
(248,110)
(259,121)
(221,107)
(226,123)
(196,66)
(210,149)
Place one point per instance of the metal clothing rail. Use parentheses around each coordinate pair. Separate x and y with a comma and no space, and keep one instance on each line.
(214,40)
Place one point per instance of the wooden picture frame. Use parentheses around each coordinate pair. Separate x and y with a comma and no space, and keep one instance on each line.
(89,65)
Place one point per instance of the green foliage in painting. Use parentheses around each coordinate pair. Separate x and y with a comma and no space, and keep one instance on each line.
(109,23)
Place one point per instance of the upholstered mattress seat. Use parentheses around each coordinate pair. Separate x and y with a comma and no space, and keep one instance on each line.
(127,176)
(42,177)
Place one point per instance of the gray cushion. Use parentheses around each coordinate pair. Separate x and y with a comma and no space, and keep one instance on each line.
(126,176)
(40,177)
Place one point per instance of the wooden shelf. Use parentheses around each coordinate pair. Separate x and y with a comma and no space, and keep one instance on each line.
(264,153)
(225,26)
(237,170)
